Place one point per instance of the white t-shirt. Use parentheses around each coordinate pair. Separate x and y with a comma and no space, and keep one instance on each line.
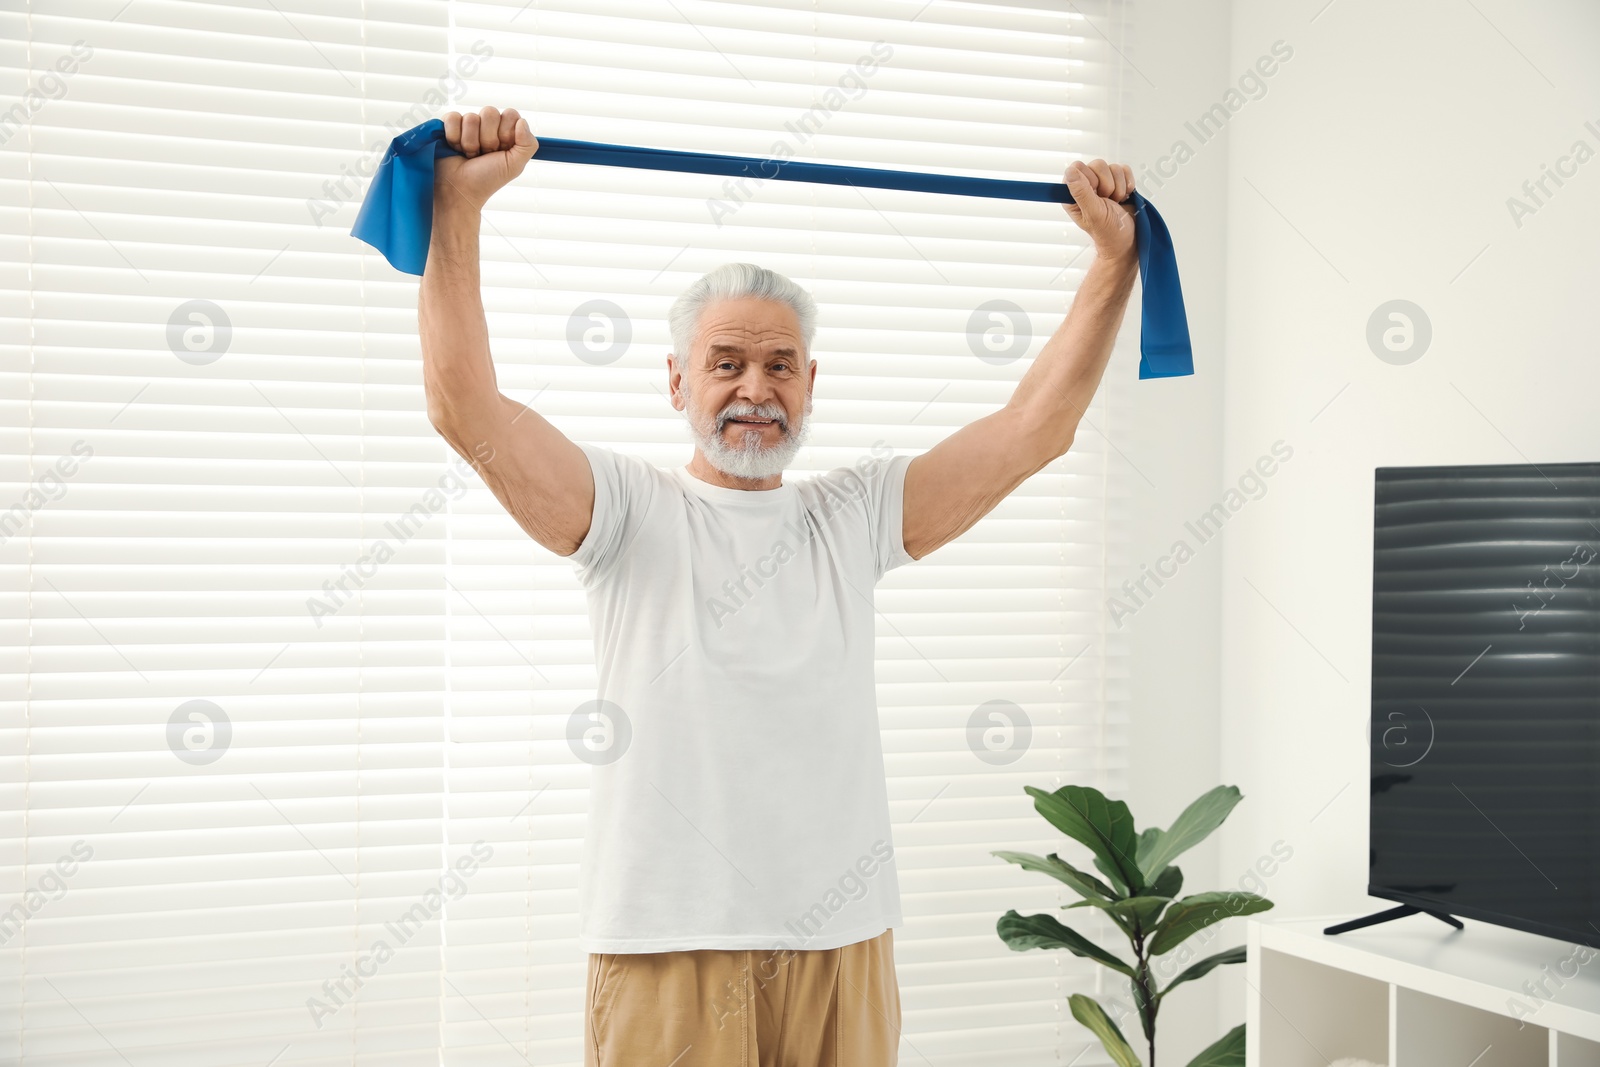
(734,630)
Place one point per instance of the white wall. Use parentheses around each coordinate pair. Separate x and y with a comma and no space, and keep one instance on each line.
(1378,166)
(1375,163)
(1170,432)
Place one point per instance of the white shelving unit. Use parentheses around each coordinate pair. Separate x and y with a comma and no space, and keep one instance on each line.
(1417,993)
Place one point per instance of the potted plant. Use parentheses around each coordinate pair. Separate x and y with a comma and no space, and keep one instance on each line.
(1140,895)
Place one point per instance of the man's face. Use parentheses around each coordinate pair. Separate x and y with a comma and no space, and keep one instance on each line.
(746,388)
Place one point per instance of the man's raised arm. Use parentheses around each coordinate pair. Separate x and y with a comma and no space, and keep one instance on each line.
(960,480)
(539,475)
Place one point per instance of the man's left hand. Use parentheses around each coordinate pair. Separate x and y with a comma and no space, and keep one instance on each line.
(1099,189)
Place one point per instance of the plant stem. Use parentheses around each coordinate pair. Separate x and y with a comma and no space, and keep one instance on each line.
(1145,991)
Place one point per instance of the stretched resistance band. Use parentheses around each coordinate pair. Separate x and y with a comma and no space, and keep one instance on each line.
(396,217)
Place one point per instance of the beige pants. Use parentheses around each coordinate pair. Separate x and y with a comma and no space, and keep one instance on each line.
(835,1007)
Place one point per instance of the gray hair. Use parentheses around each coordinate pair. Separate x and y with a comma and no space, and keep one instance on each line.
(733,281)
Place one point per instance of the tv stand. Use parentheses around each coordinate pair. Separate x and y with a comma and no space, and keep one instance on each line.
(1414,994)
(1388,916)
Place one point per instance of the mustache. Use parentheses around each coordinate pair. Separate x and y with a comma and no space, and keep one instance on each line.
(761,411)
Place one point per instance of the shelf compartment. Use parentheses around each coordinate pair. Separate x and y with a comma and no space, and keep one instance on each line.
(1433,1032)
(1569,1051)
(1312,1014)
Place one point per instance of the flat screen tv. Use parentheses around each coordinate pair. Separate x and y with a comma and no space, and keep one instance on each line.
(1486,694)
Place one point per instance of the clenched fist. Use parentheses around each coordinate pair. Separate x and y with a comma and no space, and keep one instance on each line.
(1099,189)
(495,145)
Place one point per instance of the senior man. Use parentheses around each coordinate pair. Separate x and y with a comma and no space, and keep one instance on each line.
(738,895)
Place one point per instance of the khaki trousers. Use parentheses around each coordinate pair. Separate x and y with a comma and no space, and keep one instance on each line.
(836,1007)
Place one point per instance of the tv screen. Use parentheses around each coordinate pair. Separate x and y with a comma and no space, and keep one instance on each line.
(1486,694)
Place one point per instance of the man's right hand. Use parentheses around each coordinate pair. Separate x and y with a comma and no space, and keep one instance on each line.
(495,146)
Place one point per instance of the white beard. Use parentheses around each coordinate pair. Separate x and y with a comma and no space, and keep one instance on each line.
(752,461)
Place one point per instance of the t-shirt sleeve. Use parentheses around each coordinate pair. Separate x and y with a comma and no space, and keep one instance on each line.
(624,486)
(879,486)
(888,515)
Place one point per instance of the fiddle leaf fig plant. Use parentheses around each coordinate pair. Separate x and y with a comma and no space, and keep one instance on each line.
(1138,892)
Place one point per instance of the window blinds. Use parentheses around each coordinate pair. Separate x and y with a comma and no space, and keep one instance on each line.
(287,700)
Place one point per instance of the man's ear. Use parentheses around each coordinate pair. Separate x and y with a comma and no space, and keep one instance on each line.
(674,380)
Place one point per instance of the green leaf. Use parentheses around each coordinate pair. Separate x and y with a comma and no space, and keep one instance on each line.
(1144,910)
(1148,838)
(1168,884)
(1227,1052)
(1089,1012)
(1045,931)
(1140,912)
(1147,1005)
(1085,885)
(1104,826)
(1204,967)
(1124,923)
(1189,829)
(1115,875)
(1199,911)
(1100,887)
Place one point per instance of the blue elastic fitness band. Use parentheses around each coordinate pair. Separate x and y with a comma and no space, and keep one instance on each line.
(396,217)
